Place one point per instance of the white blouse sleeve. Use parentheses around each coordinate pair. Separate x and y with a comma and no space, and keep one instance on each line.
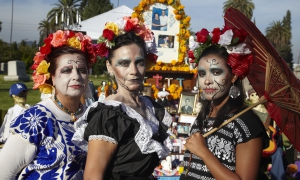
(15,155)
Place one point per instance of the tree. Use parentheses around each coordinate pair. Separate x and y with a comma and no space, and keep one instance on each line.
(91,8)
(0,26)
(45,28)
(71,5)
(277,34)
(245,6)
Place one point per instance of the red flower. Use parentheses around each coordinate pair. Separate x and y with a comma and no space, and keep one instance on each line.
(70,34)
(46,49)
(241,34)
(108,34)
(48,40)
(34,66)
(216,35)
(191,54)
(240,64)
(101,49)
(202,35)
(129,26)
(152,57)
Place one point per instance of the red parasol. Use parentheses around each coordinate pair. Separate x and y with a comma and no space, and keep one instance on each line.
(271,78)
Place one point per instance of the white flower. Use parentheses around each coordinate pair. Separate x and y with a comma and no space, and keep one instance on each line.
(238,49)
(225,39)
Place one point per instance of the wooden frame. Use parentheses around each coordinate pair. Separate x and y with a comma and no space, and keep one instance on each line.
(187,103)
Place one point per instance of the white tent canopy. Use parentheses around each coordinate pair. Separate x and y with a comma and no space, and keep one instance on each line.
(95,25)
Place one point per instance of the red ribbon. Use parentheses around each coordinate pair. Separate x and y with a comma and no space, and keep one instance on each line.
(240,64)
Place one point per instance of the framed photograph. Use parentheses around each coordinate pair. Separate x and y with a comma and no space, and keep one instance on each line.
(296,155)
(183,129)
(160,18)
(165,41)
(147,91)
(187,103)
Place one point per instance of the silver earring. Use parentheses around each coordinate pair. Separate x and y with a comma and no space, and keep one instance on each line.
(202,96)
(234,91)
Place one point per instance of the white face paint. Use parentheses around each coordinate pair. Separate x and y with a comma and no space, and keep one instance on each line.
(214,77)
(71,75)
(128,65)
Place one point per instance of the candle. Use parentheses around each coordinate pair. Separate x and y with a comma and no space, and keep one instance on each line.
(68,19)
(62,15)
(77,16)
(79,19)
(56,18)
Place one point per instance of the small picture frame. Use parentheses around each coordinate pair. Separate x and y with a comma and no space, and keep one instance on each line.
(186,118)
(183,129)
(187,103)
(147,91)
(296,155)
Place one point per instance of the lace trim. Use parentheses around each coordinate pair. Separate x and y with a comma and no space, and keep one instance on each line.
(79,126)
(103,138)
(148,127)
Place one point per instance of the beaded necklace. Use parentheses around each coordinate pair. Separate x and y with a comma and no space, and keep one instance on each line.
(205,131)
(67,110)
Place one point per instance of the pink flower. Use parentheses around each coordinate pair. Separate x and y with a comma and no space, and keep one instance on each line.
(38,80)
(59,38)
(38,57)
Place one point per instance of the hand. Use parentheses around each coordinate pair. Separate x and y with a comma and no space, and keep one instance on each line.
(196,144)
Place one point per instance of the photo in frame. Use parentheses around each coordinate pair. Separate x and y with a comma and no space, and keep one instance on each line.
(187,103)
(147,91)
(183,129)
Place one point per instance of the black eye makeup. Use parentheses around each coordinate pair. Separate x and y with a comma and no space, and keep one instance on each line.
(123,63)
(216,71)
(66,70)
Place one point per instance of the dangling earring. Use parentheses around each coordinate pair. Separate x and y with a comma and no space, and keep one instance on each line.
(53,93)
(112,80)
(234,91)
(202,96)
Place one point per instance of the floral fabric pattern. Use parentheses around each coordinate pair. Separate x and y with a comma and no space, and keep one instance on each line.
(56,157)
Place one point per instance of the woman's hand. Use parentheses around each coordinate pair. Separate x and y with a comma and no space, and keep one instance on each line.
(196,144)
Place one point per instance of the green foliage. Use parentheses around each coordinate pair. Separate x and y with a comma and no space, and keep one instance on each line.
(99,67)
(245,6)
(91,8)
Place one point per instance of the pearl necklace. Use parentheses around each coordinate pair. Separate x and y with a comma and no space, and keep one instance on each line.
(67,110)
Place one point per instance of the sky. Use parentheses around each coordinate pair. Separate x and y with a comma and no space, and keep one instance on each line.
(204,14)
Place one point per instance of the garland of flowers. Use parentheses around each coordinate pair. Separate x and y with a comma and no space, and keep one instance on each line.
(180,15)
(240,57)
(58,39)
(122,26)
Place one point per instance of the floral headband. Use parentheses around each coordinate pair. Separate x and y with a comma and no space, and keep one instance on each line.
(58,39)
(122,26)
(240,57)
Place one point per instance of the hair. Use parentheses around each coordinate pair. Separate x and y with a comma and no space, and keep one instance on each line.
(187,99)
(125,40)
(232,104)
(57,52)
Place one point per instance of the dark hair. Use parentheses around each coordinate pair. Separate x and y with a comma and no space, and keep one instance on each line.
(232,104)
(187,99)
(57,52)
(124,40)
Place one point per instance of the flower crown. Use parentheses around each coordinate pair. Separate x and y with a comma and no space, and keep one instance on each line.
(240,57)
(58,39)
(123,25)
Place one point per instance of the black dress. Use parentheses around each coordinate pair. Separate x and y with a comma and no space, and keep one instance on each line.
(140,141)
(222,144)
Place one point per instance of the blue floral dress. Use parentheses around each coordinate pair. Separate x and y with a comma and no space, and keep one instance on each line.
(56,156)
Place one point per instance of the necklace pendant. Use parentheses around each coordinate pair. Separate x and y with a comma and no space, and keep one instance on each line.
(73,117)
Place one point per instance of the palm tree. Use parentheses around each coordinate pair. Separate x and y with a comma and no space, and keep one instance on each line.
(71,5)
(0,26)
(245,6)
(45,28)
(278,34)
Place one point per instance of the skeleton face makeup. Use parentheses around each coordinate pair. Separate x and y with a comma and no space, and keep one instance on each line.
(71,75)
(128,65)
(214,77)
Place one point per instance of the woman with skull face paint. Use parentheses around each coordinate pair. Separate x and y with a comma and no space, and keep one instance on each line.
(40,146)
(126,132)
(233,151)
